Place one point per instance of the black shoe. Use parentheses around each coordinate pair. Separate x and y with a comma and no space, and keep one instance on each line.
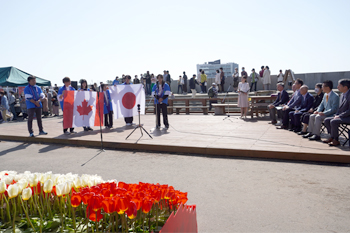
(315,138)
(302,133)
(89,128)
(86,129)
(297,130)
(291,129)
(307,135)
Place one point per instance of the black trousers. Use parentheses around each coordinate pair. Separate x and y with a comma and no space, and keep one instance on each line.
(210,102)
(109,119)
(163,108)
(37,112)
(128,119)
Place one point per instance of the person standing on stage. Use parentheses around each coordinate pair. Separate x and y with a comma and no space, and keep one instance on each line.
(107,107)
(185,83)
(254,77)
(235,79)
(161,91)
(84,87)
(222,79)
(128,120)
(203,82)
(243,90)
(61,91)
(193,83)
(33,95)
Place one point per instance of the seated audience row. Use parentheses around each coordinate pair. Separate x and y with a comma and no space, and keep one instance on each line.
(304,114)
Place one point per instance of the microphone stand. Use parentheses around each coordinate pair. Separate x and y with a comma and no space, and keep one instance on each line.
(139,125)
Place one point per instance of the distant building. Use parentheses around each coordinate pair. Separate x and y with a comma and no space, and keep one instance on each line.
(211,67)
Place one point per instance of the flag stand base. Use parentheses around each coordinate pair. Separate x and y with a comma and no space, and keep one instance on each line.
(139,126)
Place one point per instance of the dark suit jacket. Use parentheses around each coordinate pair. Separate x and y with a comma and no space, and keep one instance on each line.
(344,107)
(282,98)
(306,103)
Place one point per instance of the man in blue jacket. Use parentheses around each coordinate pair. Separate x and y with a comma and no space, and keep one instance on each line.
(342,116)
(282,98)
(327,108)
(293,103)
(161,91)
(306,103)
(33,95)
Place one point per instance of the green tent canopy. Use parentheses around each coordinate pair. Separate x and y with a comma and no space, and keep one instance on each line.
(13,77)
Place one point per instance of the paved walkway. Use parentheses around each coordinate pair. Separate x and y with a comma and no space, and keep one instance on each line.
(198,134)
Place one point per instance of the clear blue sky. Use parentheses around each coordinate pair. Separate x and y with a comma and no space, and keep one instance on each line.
(99,39)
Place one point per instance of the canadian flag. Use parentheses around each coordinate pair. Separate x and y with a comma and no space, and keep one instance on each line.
(82,108)
(125,99)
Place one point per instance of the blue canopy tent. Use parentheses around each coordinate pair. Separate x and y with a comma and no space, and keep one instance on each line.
(13,77)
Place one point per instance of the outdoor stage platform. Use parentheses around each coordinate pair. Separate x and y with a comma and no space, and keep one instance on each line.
(190,134)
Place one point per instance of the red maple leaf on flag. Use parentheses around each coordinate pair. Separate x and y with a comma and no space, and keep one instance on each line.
(84,109)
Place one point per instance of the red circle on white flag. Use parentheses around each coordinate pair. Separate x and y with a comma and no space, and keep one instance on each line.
(129,100)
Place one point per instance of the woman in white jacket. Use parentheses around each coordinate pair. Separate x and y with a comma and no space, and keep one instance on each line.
(217,80)
(267,78)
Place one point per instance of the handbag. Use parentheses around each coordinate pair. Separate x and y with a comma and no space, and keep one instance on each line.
(205,83)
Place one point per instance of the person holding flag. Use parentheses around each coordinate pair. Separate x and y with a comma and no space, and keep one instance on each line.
(61,91)
(33,95)
(128,120)
(84,87)
(161,91)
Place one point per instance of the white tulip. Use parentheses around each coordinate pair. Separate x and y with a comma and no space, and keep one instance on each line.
(12,191)
(77,182)
(2,187)
(48,185)
(26,194)
(22,184)
(59,189)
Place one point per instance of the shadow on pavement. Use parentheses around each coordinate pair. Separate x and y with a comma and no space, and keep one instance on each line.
(16,148)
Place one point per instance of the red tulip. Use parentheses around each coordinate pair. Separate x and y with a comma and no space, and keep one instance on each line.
(123,185)
(122,204)
(96,202)
(106,192)
(138,203)
(109,205)
(132,210)
(146,205)
(93,215)
(86,197)
(75,200)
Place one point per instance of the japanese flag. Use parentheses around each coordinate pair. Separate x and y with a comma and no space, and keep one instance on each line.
(82,108)
(125,99)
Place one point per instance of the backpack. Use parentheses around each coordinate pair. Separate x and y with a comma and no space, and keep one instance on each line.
(210,92)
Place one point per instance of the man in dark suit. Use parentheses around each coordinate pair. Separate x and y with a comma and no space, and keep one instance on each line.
(282,98)
(342,115)
(306,104)
(293,103)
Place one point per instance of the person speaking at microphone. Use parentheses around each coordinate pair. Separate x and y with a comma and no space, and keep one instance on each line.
(161,91)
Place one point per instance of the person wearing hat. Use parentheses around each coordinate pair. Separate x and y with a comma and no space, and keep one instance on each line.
(212,93)
(253,79)
(235,79)
(12,103)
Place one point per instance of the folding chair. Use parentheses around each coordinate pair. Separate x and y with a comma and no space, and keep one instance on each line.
(345,131)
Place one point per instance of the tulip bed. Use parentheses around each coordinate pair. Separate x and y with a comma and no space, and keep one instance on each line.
(46,202)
